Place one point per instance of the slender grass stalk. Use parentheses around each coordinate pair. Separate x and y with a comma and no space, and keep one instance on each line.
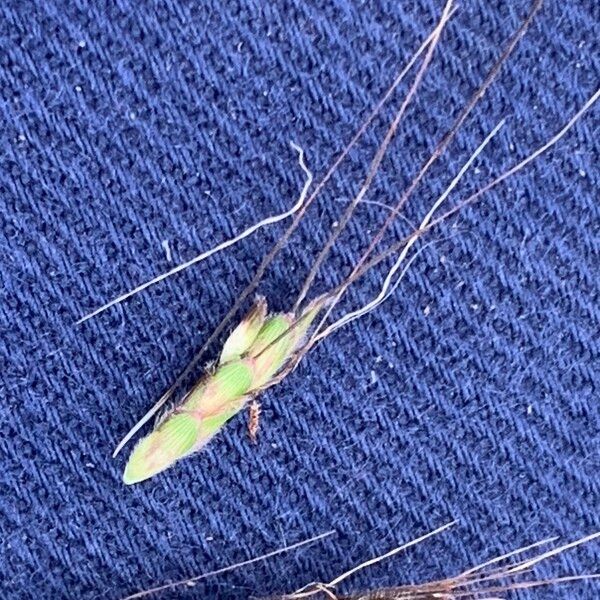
(190,581)
(376,162)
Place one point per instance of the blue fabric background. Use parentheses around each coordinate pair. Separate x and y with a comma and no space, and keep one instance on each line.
(472,395)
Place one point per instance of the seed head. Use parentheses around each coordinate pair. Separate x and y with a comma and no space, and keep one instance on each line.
(257,349)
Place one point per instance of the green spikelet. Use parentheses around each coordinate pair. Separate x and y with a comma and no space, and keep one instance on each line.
(257,349)
(245,333)
(271,349)
(205,410)
(229,382)
(157,451)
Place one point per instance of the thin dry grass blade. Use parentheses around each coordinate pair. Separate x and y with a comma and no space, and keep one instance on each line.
(239,565)
(218,248)
(389,554)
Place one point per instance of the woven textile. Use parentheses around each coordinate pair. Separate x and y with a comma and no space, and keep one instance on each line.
(134,135)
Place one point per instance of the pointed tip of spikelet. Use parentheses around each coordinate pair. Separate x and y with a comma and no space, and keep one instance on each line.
(244,335)
(161,448)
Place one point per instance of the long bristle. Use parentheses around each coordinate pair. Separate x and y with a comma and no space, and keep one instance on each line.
(476,583)
(439,149)
(379,154)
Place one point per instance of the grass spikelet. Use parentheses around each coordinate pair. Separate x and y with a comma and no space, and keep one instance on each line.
(243,336)
(174,438)
(257,349)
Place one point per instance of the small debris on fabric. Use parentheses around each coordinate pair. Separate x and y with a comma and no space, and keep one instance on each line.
(165,245)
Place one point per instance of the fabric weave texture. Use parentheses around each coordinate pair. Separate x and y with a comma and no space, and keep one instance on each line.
(134,135)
